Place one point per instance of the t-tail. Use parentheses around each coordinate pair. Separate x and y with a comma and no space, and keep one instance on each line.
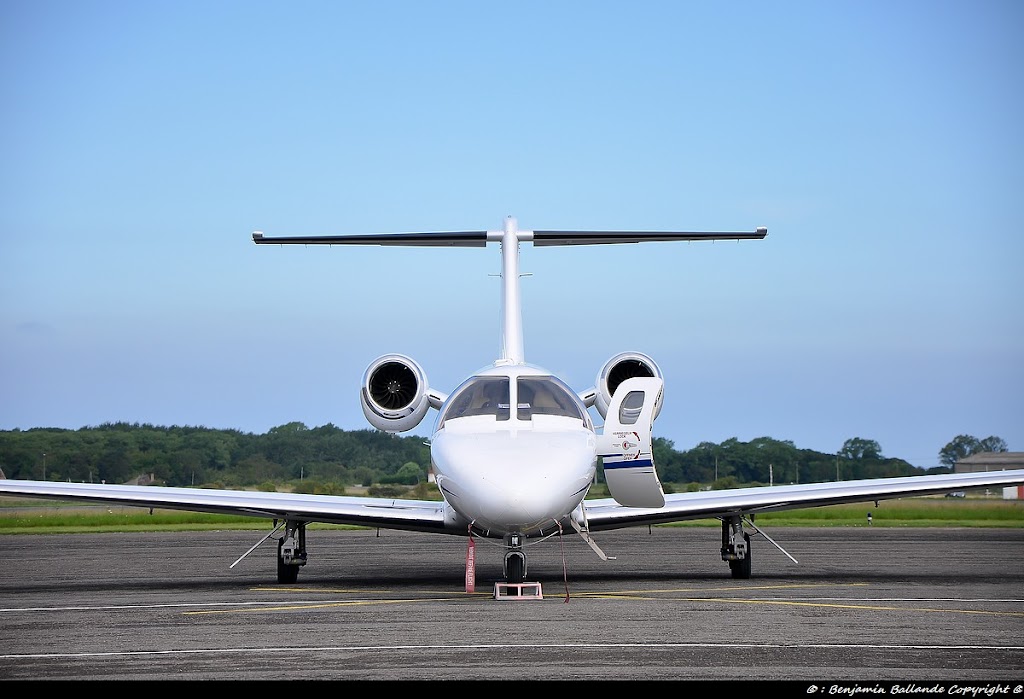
(512,349)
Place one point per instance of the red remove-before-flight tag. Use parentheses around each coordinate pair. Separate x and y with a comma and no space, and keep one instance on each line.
(471,566)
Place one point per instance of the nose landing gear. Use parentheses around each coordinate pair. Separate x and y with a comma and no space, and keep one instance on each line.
(515,572)
(515,559)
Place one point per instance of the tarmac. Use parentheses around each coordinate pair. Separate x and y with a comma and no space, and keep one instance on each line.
(863,609)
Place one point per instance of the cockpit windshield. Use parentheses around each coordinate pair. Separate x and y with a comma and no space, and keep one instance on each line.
(545,395)
(482,395)
(536,395)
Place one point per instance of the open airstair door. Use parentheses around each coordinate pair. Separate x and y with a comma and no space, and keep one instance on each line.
(625,444)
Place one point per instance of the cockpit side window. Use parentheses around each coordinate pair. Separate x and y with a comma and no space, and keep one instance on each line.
(480,396)
(545,395)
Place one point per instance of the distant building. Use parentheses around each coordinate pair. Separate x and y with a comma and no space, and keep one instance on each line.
(994,461)
(990,461)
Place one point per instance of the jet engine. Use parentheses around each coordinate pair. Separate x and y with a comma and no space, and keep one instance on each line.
(616,370)
(394,393)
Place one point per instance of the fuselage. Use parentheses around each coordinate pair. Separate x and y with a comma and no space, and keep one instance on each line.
(514,450)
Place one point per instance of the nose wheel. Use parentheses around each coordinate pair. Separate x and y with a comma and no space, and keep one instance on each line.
(515,559)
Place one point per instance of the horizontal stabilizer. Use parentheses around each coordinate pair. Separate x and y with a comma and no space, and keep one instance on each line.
(464,239)
(479,239)
(541,238)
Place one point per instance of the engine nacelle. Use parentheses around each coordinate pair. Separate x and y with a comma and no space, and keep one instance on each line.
(616,370)
(394,393)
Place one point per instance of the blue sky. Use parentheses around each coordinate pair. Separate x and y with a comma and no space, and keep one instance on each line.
(879,142)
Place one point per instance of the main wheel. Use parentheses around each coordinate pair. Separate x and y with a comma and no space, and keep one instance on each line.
(741,568)
(286,574)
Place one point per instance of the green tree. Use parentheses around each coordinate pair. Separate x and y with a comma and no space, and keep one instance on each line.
(863,449)
(409,474)
(328,456)
(672,466)
(964,445)
(992,444)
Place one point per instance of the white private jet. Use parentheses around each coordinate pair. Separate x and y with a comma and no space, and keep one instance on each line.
(514,449)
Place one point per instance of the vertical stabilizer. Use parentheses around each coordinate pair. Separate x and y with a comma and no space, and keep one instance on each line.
(512,351)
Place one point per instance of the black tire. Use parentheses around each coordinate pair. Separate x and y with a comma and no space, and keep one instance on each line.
(741,569)
(286,574)
(514,568)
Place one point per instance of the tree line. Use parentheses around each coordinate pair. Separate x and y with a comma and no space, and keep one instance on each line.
(321,458)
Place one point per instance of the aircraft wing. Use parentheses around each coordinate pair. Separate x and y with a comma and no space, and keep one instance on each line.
(389,513)
(606,513)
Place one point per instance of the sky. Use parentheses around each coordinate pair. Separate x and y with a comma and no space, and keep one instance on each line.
(880,143)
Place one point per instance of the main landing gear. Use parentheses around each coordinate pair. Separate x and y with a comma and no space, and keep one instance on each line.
(291,552)
(736,547)
(291,549)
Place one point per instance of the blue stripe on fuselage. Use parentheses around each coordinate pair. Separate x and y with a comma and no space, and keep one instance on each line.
(637,463)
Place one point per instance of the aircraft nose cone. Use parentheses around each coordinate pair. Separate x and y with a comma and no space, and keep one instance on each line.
(526,481)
